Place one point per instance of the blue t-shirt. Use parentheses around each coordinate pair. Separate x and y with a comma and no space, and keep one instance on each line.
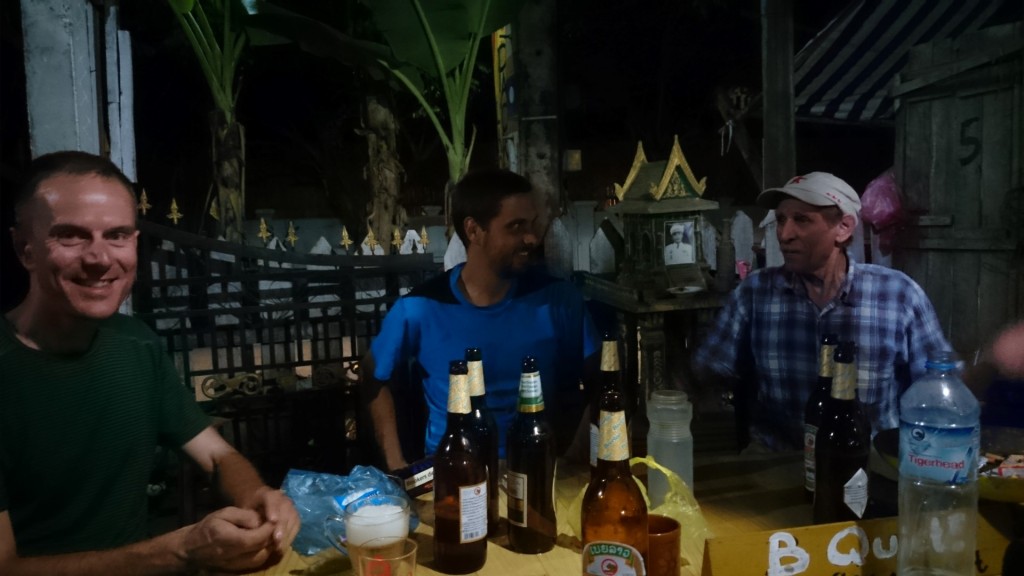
(540,316)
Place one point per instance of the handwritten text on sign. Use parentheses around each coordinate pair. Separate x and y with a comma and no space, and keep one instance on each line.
(849,547)
(864,548)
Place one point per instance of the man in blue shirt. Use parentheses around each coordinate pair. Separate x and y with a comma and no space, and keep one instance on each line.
(766,339)
(495,301)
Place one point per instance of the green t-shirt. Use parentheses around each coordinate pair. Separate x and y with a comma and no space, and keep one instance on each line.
(78,436)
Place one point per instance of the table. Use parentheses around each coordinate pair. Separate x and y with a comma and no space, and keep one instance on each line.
(738,495)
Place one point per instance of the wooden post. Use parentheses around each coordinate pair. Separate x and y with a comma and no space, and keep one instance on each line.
(777,71)
(534,42)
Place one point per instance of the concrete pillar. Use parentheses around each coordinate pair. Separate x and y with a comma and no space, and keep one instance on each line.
(60,74)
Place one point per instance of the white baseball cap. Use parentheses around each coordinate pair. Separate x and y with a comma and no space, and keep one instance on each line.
(816,189)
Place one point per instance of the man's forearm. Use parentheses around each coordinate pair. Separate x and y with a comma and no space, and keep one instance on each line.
(382,411)
(238,480)
(162,555)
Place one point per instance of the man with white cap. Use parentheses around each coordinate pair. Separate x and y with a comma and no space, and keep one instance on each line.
(766,338)
(680,249)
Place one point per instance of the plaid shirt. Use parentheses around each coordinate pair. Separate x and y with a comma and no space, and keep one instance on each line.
(770,332)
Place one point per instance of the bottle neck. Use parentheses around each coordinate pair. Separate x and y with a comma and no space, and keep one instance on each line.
(613,439)
(844,382)
(609,356)
(475,377)
(826,362)
(531,394)
(458,394)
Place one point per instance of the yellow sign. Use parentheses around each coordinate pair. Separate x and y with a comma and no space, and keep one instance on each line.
(864,548)
(505,96)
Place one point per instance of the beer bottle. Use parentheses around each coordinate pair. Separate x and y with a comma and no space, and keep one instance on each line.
(614,516)
(610,383)
(531,469)
(487,431)
(815,404)
(841,446)
(460,486)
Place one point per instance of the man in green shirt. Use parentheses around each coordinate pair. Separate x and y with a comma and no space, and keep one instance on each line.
(86,396)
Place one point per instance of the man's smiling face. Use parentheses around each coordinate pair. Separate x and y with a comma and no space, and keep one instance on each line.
(77,239)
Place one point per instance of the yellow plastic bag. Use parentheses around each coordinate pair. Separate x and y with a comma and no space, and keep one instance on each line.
(679,504)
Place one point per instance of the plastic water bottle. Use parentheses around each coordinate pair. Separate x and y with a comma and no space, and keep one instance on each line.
(669,440)
(938,502)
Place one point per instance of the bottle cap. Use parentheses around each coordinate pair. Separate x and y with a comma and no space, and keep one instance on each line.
(530,364)
(944,360)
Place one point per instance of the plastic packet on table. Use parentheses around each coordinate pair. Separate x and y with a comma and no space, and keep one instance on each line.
(317,495)
(679,504)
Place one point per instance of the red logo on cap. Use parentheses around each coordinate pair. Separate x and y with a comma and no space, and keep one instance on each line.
(796,180)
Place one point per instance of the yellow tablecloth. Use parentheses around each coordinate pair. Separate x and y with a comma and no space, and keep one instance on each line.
(737,495)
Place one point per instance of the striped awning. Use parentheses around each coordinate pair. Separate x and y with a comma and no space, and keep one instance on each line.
(846,72)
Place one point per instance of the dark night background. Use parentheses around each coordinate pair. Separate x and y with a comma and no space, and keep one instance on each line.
(629,71)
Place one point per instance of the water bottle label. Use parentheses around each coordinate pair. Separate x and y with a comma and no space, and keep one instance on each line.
(810,433)
(946,455)
(601,558)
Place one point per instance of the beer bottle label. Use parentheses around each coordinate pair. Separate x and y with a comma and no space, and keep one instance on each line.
(475,377)
(601,558)
(458,397)
(531,395)
(516,498)
(472,512)
(614,445)
(595,439)
(844,384)
(810,433)
(855,493)
(609,356)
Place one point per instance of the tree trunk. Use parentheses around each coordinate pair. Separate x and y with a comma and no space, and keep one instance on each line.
(228,155)
(535,40)
(383,171)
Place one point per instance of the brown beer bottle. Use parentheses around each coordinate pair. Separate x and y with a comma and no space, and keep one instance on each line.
(815,404)
(610,383)
(460,485)
(841,446)
(487,431)
(614,517)
(531,469)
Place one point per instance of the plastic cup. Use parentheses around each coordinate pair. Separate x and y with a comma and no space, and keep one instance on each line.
(383,557)
(662,546)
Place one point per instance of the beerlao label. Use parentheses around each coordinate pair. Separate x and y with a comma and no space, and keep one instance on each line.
(609,356)
(472,512)
(476,377)
(946,455)
(603,558)
(458,395)
(614,446)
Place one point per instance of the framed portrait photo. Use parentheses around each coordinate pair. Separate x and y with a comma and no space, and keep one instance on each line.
(680,246)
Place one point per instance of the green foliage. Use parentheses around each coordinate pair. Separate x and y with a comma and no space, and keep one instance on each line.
(218,54)
(433,39)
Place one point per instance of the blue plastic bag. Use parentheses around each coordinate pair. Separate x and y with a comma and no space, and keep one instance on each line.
(317,495)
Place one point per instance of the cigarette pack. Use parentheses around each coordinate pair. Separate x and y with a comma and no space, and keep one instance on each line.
(417,478)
